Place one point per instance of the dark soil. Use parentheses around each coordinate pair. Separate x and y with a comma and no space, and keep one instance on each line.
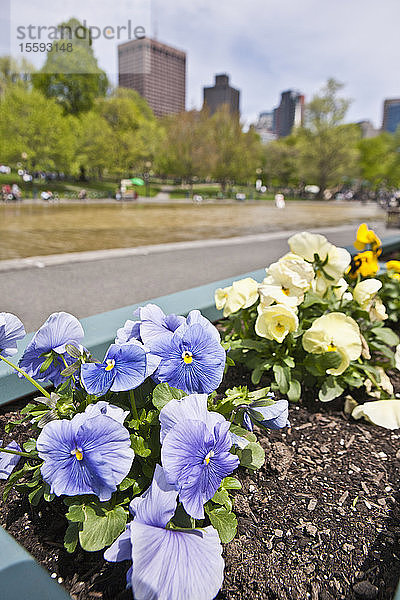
(319,521)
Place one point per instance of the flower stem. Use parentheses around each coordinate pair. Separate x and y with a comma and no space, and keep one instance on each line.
(133,405)
(29,455)
(35,383)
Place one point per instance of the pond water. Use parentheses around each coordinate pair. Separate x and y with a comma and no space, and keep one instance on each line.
(31,229)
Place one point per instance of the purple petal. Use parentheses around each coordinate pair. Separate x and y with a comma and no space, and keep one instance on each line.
(9,461)
(95,379)
(157,505)
(106,455)
(190,407)
(121,549)
(11,331)
(105,408)
(130,366)
(60,329)
(195,316)
(275,416)
(175,565)
(196,461)
(130,331)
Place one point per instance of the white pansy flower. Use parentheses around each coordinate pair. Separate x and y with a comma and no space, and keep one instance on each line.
(275,322)
(365,291)
(334,332)
(270,293)
(292,272)
(377,312)
(340,289)
(334,261)
(385,413)
(241,294)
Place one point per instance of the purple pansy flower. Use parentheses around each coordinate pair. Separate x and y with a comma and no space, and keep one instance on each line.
(125,367)
(152,322)
(11,331)
(195,451)
(86,455)
(192,358)
(59,330)
(273,416)
(167,564)
(8,461)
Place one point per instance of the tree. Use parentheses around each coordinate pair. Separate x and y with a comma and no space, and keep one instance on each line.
(34,125)
(183,149)
(132,131)
(234,155)
(281,162)
(327,148)
(72,78)
(376,158)
(13,71)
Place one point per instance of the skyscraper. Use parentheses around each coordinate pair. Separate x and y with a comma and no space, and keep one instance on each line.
(391,115)
(221,93)
(290,113)
(156,71)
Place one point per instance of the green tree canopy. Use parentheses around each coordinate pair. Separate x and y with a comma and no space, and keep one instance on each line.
(327,148)
(73,78)
(35,125)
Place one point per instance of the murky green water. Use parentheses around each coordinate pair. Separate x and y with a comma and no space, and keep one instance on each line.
(31,230)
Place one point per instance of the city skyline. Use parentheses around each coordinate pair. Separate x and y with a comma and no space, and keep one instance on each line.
(265,47)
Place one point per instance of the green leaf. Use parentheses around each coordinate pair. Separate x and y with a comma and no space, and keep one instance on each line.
(76,513)
(387,336)
(282,378)
(139,446)
(231,483)
(224,521)
(71,537)
(46,364)
(317,364)
(36,495)
(253,456)
(163,393)
(294,391)
(222,497)
(330,390)
(72,351)
(311,299)
(99,531)
(30,445)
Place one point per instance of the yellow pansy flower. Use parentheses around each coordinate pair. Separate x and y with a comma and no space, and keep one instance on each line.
(364,264)
(275,322)
(367,236)
(334,332)
(393,266)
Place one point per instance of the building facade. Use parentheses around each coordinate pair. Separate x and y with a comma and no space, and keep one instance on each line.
(391,115)
(156,71)
(290,113)
(265,126)
(221,93)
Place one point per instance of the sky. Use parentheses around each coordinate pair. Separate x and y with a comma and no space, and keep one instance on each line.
(266,46)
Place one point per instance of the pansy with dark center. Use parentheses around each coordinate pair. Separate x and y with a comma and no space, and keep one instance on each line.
(125,367)
(195,451)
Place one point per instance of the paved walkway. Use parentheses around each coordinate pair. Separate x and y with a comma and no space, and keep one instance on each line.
(92,282)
